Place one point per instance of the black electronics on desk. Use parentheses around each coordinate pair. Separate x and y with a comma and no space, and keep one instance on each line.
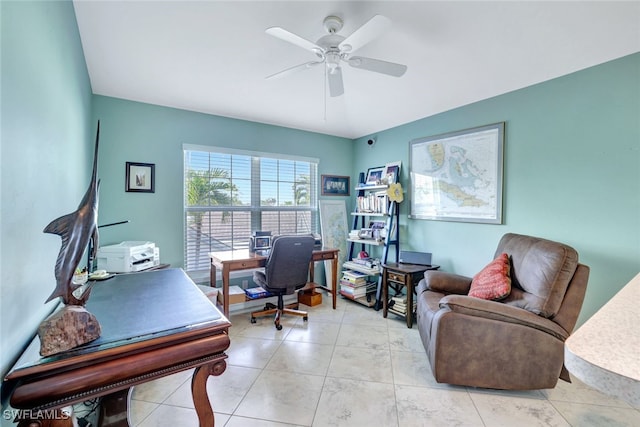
(260,241)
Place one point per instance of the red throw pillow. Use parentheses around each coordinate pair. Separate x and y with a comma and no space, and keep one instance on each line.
(493,282)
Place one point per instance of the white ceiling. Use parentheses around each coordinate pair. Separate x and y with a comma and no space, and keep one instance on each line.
(213,56)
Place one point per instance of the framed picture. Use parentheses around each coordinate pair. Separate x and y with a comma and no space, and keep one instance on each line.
(374,175)
(140,177)
(334,185)
(391,172)
(458,176)
(333,223)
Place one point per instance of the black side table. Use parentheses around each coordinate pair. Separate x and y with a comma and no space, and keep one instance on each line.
(398,275)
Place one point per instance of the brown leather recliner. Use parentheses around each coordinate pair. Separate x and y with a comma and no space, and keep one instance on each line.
(513,344)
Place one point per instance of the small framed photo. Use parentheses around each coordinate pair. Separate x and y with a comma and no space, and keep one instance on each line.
(374,175)
(140,177)
(335,185)
(391,172)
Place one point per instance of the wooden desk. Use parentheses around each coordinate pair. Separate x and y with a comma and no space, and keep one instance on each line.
(153,324)
(400,275)
(242,259)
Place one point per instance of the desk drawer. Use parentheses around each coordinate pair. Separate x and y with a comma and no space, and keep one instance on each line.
(246,264)
(320,257)
(396,277)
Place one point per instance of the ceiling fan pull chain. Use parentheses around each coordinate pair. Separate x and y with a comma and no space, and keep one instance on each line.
(324,95)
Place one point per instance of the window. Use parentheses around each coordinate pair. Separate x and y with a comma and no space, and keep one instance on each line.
(230,193)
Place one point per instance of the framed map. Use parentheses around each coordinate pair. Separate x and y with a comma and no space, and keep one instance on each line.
(333,223)
(458,176)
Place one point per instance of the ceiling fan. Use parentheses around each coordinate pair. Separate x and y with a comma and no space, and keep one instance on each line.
(333,49)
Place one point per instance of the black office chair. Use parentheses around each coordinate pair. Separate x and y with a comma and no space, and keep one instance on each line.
(286,270)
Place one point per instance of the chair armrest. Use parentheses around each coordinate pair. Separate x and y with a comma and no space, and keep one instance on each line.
(495,310)
(447,283)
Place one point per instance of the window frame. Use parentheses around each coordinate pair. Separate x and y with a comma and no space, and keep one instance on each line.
(255,209)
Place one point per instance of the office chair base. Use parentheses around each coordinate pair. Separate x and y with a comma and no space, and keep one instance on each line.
(270,309)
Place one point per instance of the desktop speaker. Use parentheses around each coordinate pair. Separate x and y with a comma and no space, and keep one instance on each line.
(409,257)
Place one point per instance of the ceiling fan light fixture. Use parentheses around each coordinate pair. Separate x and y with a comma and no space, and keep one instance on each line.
(333,48)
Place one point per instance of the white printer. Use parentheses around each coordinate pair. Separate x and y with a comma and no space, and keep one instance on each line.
(128,256)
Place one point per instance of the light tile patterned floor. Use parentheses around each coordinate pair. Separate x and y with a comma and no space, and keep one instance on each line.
(351,367)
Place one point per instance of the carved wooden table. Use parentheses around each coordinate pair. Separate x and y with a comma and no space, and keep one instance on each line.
(153,324)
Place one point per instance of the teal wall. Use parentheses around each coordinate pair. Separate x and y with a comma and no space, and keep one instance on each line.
(46,156)
(572,165)
(572,174)
(138,132)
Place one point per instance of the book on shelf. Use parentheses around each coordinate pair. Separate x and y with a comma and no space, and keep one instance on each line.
(366,262)
(257,292)
(351,285)
(354,292)
(399,304)
(349,289)
(357,281)
(373,203)
(352,274)
(361,268)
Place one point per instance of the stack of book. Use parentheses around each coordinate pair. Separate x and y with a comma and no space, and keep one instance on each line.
(353,284)
(373,203)
(399,305)
(366,262)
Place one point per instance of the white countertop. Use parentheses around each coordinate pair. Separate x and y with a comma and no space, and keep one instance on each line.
(604,352)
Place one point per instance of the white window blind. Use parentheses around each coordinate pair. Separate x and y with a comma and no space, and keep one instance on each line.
(230,193)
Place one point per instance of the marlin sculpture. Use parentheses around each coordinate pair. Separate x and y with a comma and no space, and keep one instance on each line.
(76,230)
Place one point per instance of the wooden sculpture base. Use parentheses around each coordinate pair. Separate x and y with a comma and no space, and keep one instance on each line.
(67,328)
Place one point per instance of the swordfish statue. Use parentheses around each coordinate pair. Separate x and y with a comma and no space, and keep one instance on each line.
(76,230)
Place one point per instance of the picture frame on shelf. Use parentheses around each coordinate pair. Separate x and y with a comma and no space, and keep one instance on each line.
(335,185)
(140,177)
(374,175)
(392,172)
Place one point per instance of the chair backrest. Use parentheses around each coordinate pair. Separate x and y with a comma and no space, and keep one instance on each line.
(288,264)
(541,272)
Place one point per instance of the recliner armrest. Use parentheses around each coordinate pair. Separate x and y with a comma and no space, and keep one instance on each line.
(447,283)
(498,311)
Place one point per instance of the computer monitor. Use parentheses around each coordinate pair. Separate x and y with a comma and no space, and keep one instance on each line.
(261,242)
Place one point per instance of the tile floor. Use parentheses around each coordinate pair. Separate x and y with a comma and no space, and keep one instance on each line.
(352,367)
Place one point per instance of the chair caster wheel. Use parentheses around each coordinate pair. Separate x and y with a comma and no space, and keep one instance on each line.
(253,320)
(305,318)
(279,327)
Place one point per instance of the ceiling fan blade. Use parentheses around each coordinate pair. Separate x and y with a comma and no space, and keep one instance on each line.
(288,36)
(294,69)
(363,35)
(336,88)
(384,67)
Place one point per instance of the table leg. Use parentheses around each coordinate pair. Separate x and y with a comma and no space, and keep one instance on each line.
(385,293)
(409,317)
(114,409)
(212,274)
(199,391)
(225,290)
(45,418)
(334,286)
